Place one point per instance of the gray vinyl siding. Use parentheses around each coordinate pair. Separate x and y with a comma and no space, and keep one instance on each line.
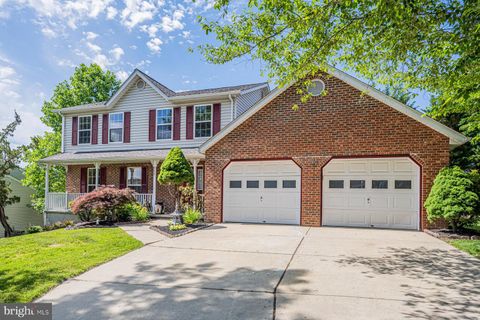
(139,102)
(20,216)
(247,100)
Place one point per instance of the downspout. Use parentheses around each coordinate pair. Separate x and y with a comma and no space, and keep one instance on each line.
(232,106)
(63,133)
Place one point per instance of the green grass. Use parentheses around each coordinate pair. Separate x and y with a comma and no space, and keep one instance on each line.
(30,265)
(470,246)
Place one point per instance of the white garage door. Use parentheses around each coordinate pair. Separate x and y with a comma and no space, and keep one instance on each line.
(377,192)
(262,192)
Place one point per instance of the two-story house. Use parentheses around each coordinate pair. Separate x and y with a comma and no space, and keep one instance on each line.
(123,141)
(351,157)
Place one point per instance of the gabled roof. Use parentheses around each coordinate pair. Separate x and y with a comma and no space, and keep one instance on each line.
(165,92)
(455,137)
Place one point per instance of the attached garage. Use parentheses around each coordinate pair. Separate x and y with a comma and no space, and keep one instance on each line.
(371,192)
(262,192)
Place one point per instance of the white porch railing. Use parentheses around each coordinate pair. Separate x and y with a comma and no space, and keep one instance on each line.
(58,201)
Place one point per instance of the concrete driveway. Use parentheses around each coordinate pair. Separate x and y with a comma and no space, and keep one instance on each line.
(235,271)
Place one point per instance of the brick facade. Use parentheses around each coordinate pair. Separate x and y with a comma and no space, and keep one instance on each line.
(345,122)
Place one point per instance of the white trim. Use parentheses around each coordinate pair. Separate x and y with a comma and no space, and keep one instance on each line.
(456,138)
(171,124)
(255,88)
(78,129)
(63,134)
(134,185)
(88,178)
(204,121)
(110,126)
(212,95)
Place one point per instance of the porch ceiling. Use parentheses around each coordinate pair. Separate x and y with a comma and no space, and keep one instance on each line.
(117,156)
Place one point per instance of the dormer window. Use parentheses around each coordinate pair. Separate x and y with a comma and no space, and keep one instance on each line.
(116,127)
(84,130)
(203,121)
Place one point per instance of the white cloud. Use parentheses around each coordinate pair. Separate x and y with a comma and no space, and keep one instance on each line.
(117,53)
(174,22)
(48,32)
(65,63)
(122,75)
(154,45)
(139,11)
(111,13)
(133,47)
(90,35)
(95,48)
(6,72)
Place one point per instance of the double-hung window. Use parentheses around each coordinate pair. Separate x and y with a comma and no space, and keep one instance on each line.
(134,179)
(84,130)
(116,127)
(164,124)
(203,121)
(91,179)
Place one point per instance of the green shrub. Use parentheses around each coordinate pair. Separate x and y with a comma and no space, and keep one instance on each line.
(176,227)
(132,212)
(34,229)
(191,216)
(453,198)
(139,213)
(124,213)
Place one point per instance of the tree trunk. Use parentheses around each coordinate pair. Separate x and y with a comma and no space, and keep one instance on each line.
(4,221)
(177,200)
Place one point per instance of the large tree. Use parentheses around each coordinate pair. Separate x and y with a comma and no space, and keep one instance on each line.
(9,158)
(88,84)
(431,45)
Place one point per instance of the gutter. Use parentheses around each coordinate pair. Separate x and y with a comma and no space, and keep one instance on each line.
(231,106)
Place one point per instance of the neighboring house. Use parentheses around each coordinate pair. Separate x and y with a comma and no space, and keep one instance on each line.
(20,215)
(354,157)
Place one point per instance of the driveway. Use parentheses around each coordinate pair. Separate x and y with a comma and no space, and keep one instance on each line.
(236,271)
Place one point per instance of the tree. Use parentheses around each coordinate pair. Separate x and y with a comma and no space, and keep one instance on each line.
(176,171)
(430,45)
(453,198)
(9,161)
(88,84)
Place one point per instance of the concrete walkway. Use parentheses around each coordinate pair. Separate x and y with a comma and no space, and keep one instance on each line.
(235,271)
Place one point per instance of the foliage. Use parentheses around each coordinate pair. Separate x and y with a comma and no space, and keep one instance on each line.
(469,246)
(103,202)
(34,229)
(191,216)
(452,198)
(33,264)
(176,170)
(88,84)
(9,158)
(132,212)
(176,227)
(59,225)
(186,196)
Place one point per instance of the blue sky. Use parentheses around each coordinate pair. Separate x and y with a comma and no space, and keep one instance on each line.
(41,41)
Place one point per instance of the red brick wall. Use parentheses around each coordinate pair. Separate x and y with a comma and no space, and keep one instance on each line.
(342,123)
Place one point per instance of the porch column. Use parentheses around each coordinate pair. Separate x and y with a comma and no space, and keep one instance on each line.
(195,164)
(154,184)
(47,169)
(97,174)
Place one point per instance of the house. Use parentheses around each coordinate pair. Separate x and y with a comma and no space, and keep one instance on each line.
(354,157)
(20,214)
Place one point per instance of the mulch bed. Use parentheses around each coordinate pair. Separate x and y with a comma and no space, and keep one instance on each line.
(178,233)
(448,234)
(92,224)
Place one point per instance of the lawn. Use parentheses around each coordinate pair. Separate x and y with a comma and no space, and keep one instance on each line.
(33,264)
(470,246)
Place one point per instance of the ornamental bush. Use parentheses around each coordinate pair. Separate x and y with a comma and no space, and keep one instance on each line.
(102,203)
(453,198)
(191,216)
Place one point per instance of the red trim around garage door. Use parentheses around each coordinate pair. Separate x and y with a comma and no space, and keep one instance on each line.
(375,157)
(262,159)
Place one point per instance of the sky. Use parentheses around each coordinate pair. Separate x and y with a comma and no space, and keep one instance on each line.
(41,42)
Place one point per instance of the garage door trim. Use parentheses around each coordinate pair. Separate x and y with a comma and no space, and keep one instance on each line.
(420,216)
(260,159)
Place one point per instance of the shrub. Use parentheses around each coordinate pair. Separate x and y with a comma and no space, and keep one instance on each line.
(191,216)
(453,199)
(59,225)
(34,229)
(139,213)
(124,213)
(102,202)
(176,227)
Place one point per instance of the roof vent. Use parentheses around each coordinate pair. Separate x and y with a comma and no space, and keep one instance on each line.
(316,87)
(140,84)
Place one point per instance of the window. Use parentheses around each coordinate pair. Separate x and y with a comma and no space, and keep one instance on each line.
(164,124)
(316,87)
(270,184)
(203,121)
(91,179)
(357,184)
(289,184)
(379,184)
(403,184)
(252,184)
(335,184)
(116,127)
(199,179)
(235,184)
(84,129)
(134,179)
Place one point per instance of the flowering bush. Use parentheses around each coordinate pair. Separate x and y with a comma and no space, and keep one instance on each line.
(102,202)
